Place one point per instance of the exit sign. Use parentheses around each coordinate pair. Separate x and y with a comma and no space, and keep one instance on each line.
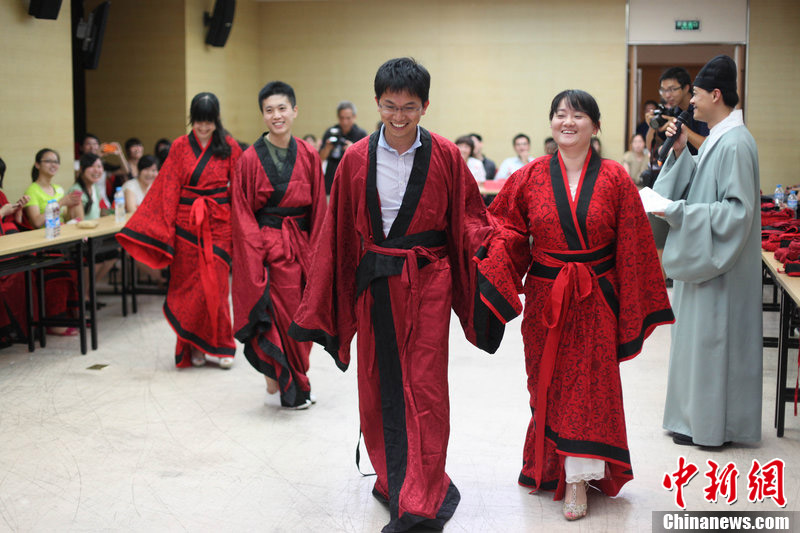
(690,25)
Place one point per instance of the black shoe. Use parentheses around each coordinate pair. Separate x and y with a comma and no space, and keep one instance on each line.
(682,440)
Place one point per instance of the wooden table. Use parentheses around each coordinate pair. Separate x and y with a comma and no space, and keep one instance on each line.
(789,289)
(30,251)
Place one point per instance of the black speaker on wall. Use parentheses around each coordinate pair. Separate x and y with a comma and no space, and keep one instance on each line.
(44,9)
(219,22)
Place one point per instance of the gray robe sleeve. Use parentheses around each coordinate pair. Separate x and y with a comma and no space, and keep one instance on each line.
(706,239)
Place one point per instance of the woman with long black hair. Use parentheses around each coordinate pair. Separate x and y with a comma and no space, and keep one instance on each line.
(184,223)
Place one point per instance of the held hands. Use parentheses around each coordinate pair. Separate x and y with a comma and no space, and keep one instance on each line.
(71,200)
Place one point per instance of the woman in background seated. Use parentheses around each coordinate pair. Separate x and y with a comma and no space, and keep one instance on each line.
(90,172)
(467,147)
(147,171)
(60,284)
(636,159)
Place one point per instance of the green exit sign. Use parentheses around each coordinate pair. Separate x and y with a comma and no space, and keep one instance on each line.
(690,25)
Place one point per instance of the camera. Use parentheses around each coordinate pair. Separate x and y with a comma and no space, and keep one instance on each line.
(658,119)
(337,140)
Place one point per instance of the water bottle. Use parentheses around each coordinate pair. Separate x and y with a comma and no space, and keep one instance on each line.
(52,220)
(119,206)
(791,202)
(778,196)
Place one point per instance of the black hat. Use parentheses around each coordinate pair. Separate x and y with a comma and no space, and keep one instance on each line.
(719,73)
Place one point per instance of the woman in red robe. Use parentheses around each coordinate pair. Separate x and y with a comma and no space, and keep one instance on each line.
(593,293)
(184,223)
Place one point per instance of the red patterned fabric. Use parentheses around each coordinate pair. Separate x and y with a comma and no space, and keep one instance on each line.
(397,291)
(270,261)
(184,223)
(593,293)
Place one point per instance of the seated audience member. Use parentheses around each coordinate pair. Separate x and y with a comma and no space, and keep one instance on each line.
(161,150)
(86,184)
(636,159)
(134,195)
(466,146)
(311,139)
(42,190)
(134,150)
(13,318)
(550,146)
(147,170)
(477,153)
(60,285)
(597,146)
(522,146)
(114,164)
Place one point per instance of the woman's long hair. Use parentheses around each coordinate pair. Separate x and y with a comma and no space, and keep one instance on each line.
(205,108)
(39,156)
(86,161)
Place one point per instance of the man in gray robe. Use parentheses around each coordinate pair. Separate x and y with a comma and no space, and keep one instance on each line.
(713,254)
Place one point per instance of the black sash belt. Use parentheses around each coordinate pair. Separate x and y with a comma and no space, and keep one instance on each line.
(273,217)
(189,201)
(375,265)
(604,255)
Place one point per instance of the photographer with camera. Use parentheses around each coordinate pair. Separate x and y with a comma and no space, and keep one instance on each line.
(337,139)
(675,88)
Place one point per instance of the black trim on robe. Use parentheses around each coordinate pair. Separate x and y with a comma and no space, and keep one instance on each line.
(587,189)
(416,183)
(190,201)
(149,241)
(201,165)
(194,339)
(563,205)
(278,180)
(323,338)
(192,238)
(633,347)
(196,148)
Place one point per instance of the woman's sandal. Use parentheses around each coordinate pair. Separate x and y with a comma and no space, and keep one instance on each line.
(573,510)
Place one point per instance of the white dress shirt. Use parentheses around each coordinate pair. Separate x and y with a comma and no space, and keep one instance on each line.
(393,173)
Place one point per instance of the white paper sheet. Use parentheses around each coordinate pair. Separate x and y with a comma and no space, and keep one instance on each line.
(652,201)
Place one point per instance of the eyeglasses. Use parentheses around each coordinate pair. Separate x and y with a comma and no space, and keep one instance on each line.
(50,161)
(390,109)
(668,90)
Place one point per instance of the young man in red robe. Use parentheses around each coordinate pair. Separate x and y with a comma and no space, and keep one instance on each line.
(278,196)
(394,256)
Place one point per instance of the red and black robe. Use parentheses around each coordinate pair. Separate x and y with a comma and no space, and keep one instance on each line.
(593,293)
(275,216)
(184,223)
(397,291)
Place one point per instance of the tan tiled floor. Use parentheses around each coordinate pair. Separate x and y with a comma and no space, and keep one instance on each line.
(142,446)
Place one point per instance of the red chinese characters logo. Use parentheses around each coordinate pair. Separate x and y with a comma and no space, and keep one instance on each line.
(766,481)
(721,483)
(679,479)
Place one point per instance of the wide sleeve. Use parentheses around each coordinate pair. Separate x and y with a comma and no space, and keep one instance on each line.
(706,239)
(642,295)
(327,311)
(506,255)
(469,225)
(318,201)
(149,235)
(675,176)
(250,284)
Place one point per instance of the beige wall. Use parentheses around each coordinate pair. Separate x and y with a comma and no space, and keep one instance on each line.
(138,89)
(494,66)
(231,72)
(773,80)
(35,94)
